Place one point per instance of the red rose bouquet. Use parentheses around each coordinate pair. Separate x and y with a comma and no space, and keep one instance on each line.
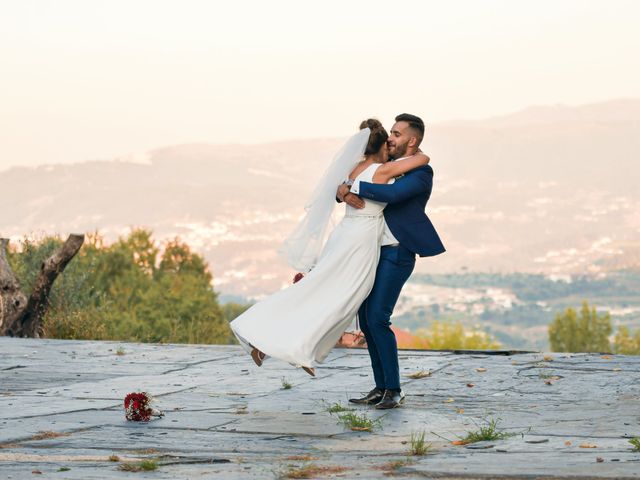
(138,408)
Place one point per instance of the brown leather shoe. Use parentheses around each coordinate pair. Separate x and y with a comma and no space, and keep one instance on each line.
(371,398)
(310,371)
(257,356)
(390,399)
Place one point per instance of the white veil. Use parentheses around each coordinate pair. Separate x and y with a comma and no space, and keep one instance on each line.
(304,244)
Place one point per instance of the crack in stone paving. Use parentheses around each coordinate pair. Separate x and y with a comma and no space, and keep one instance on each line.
(186,367)
(507,389)
(65,412)
(12,368)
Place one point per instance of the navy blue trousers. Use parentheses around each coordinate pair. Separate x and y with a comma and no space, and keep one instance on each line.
(394,268)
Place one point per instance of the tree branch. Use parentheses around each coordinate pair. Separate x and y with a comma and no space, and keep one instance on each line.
(29,323)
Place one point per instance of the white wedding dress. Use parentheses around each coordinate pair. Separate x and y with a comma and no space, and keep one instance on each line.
(303,322)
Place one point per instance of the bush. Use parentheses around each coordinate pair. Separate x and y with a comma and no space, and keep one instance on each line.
(587,333)
(134,289)
(448,336)
(625,343)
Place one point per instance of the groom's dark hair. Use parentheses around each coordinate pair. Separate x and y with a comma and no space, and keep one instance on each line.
(415,123)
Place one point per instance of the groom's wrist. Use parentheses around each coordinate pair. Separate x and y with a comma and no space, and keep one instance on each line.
(343,191)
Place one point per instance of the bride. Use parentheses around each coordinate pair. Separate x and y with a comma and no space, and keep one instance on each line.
(303,322)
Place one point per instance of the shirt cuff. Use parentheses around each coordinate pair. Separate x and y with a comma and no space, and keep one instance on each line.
(355,188)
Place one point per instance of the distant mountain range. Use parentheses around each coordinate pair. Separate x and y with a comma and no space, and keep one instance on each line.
(548,189)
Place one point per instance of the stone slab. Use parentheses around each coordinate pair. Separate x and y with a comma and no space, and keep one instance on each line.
(227,418)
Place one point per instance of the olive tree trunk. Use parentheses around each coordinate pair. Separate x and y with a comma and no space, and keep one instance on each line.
(21,316)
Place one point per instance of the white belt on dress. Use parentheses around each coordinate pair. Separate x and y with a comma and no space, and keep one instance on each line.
(363,216)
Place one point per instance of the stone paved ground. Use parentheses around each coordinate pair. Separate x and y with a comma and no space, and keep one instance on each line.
(227,418)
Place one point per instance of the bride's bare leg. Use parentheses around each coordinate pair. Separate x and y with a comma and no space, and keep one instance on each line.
(257,356)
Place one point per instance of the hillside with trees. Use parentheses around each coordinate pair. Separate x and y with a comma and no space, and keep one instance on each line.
(134,289)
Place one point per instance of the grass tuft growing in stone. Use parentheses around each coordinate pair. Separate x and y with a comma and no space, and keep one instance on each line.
(149,465)
(143,466)
(635,442)
(114,458)
(120,351)
(337,408)
(64,469)
(486,432)
(395,465)
(359,422)
(418,444)
(286,385)
(312,471)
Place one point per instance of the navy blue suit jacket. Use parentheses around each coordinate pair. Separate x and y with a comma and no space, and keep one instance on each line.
(407,198)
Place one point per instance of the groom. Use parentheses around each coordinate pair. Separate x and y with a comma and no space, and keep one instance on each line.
(408,231)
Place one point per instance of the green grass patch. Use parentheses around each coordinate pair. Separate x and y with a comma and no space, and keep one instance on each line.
(337,408)
(418,445)
(312,471)
(143,466)
(487,432)
(359,422)
(635,442)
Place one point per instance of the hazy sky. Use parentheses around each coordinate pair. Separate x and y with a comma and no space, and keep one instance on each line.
(89,79)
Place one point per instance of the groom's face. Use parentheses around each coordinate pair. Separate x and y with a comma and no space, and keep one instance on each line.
(399,139)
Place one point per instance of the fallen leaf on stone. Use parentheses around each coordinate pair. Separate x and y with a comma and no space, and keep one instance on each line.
(588,445)
(448,400)
(420,374)
(606,357)
(548,358)
(404,442)
(459,410)
(599,459)
(470,385)
(480,369)
(36,472)
(548,382)
(567,443)
(617,369)
(459,442)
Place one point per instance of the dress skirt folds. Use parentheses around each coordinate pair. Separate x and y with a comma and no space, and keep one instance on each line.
(302,323)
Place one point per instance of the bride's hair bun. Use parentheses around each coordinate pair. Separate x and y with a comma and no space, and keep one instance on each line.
(378,135)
